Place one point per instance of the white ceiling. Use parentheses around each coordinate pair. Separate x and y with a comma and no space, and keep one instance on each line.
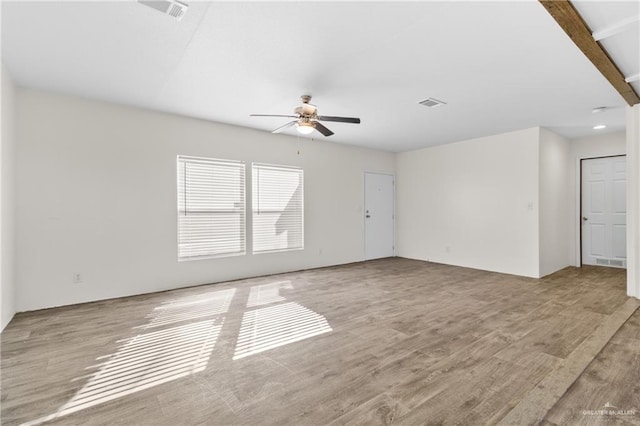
(500,66)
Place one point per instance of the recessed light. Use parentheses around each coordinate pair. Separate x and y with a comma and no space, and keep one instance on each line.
(598,110)
(599,127)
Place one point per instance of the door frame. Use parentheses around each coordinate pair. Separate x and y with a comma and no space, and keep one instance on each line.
(364,206)
(579,202)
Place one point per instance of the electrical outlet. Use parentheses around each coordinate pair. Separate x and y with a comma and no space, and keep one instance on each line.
(77,278)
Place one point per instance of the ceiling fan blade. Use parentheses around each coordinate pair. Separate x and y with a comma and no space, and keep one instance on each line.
(285,126)
(353,120)
(272,115)
(319,127)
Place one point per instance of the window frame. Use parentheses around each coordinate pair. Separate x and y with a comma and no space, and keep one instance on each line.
(253,207)
(242,209)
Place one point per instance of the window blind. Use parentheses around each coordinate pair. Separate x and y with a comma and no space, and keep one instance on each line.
(278,208)
(211,208)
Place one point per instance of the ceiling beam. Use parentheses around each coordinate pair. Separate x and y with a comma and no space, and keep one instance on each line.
(572,23)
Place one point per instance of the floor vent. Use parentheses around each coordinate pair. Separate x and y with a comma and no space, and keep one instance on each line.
(172,8)
(432,103)
(611,262)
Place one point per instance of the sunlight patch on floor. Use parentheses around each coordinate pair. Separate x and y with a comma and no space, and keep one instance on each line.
(267,328)
(267,293)
(152,358)
(170,345)
(190,308)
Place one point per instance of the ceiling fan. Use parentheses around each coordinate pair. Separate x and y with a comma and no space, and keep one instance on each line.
(307,119)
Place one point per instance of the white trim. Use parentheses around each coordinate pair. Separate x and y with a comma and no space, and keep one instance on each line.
(617,28)
(578,213)
(632,78)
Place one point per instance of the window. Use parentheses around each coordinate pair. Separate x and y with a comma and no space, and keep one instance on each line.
(278,210)
(211,208)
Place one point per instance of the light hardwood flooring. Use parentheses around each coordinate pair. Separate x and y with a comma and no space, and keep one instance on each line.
(393,340)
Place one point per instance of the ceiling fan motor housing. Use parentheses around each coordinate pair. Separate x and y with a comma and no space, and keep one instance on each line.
(306,110)
(307,119)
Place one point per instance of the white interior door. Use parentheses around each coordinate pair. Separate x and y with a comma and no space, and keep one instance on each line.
(379,215)
(604,211)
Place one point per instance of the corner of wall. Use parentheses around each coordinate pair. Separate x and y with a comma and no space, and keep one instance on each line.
(7,200)
(633,201)
(555,233)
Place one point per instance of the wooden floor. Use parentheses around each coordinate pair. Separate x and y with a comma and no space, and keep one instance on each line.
(377,342)
(611,383)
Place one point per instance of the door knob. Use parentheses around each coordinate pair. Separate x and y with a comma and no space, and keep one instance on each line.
(585,218)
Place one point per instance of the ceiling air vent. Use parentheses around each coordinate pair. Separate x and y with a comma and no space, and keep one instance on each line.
(432,103)
(172,8)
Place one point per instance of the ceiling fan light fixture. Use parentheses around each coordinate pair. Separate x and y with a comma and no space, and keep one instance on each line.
(307,119)
(305,128)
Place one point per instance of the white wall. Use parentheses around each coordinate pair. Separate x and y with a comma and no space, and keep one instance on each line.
(633,201)
(7,204)
(478,198)
(97,195)
(555,203)
(598,145)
